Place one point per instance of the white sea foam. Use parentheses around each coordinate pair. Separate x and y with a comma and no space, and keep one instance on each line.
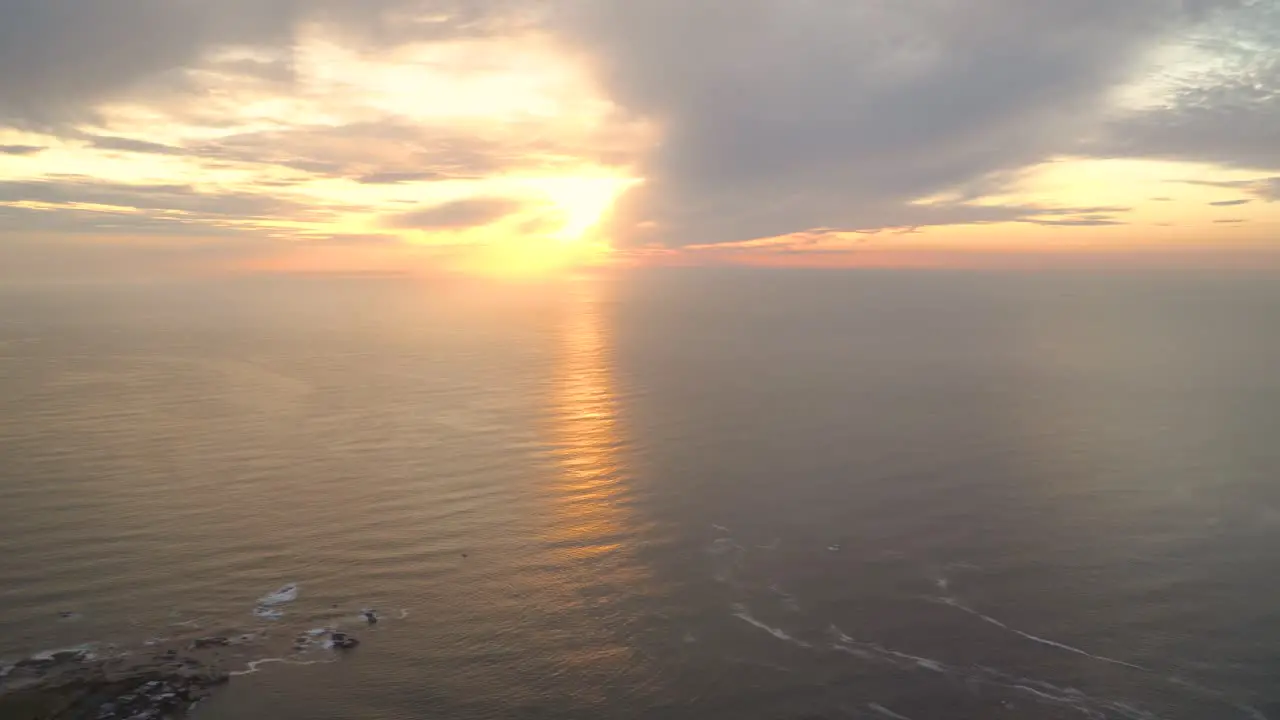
(1097,708)
(740,611)
(887,712)
(254,665)
(85,651)
(282,596)
(1036,638)
(839,634)
(268,607)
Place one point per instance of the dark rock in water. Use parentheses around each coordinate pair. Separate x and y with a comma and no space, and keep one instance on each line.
(371,617)
(104,690)
(344,641)
(208,642)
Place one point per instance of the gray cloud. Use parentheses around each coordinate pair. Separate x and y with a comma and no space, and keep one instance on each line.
(386,152)
(21,149)
(1230,203)
(781,116)
(179,198)
(392,178)
(1227,112)
(459,214)
(107,142)
(1266,189)
(1231,221)
(61,56)
(1078,222)
(82,205)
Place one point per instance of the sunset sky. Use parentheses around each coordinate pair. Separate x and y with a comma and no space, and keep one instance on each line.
(147,138)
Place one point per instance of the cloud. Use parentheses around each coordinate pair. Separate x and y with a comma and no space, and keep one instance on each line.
(1266,189)
(69,221)
(770,117)
(393,178)
(1231,203)
(1222,106)
(457,215)
(1231,221)
(780,116)
(83,205)
(1078,222)
(383,152)
(63,56)
(21,149)
(106,142)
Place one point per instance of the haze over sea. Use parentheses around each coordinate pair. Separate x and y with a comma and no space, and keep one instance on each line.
(662,494)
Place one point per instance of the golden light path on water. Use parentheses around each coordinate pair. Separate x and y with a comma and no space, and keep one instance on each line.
(590,529)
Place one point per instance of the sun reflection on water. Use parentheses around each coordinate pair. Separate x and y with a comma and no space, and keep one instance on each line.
(587,443)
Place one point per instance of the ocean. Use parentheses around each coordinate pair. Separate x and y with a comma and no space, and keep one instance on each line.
(681,493)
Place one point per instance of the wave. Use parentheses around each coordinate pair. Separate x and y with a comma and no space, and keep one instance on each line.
(887,712)
(1036,638)
(740,611)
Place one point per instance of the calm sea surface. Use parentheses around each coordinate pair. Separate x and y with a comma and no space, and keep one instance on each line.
(694,494)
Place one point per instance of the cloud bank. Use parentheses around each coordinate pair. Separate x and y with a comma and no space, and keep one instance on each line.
(744,119)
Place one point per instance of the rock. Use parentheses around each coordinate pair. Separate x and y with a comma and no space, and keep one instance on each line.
(208,642)
(104,690)
(343,641)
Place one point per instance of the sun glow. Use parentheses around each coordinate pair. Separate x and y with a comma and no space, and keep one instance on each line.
(338,162)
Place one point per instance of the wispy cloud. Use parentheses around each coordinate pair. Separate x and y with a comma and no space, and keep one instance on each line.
(458,214)
(20,149)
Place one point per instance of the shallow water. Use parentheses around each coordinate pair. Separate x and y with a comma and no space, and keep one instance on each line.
(734,494)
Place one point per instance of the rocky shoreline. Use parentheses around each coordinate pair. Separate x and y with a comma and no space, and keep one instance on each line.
(157,682)
(72,685)
(164,678)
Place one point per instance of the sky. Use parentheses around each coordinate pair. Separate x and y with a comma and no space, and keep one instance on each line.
(512,138)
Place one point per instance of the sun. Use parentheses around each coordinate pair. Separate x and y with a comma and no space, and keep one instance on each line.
(558,231)
(582,202)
